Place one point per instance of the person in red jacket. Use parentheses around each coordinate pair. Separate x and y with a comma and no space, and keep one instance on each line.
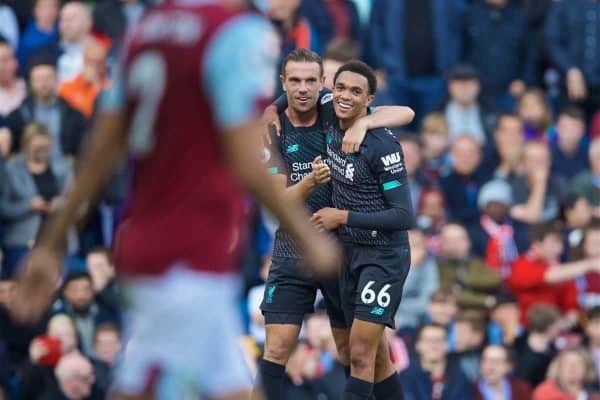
(570,375)
(537,276)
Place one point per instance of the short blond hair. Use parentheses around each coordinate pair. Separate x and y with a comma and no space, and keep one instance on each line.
(31,130)
(590,370)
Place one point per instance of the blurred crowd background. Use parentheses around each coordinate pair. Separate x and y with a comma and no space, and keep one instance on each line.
(503,297)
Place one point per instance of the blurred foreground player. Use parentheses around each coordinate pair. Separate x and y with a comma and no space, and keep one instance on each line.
(184,107)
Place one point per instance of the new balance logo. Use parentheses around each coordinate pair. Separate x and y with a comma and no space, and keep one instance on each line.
(377,311)
(349,171)
(292,148)
(391,159)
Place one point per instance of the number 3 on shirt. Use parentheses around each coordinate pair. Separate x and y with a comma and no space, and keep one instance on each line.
(146,84)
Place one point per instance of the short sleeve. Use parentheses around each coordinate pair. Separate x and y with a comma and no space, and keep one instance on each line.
(113,98)
(239,70)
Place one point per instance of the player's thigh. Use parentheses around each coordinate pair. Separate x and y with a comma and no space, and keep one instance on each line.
(332,297)
(341,336)
(288,291)
(380,286)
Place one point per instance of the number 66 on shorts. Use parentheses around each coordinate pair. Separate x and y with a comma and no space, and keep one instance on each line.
(372,281)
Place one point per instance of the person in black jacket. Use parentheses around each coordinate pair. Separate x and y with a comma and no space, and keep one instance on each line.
(432,374)
(497,42)
(44,106)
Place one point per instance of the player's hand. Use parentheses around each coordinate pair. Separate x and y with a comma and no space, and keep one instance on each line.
(271,119)
(576,86)
(320,171)
(322,254)
(37,285)
(327,219)
(354,136)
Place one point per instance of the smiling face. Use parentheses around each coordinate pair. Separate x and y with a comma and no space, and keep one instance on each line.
(351,96)
(302,83)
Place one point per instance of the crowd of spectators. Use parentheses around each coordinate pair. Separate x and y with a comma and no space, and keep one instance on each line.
(503,297)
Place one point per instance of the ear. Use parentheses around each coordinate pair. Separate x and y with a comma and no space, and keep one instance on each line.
(370,99)
(282,80)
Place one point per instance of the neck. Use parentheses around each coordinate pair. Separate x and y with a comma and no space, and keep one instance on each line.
(538,342)
(572,388)
(44,27)
(435,367)
(45,101)
(496,386)
(347,123)
(308,118)
(568,149)
(463,105)
(36,167)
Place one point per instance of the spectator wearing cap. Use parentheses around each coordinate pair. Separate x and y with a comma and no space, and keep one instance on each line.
(79,301)
(569,150)
(587,183)
(40,33)
(538,277)
(494,236)
(465,110)
(415,43)
(421,282)
(461,186)
(572,40)
(496,382)
(465,274)
(504,327)
(498,43)
(66,125)
(537,194)
(535,353)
